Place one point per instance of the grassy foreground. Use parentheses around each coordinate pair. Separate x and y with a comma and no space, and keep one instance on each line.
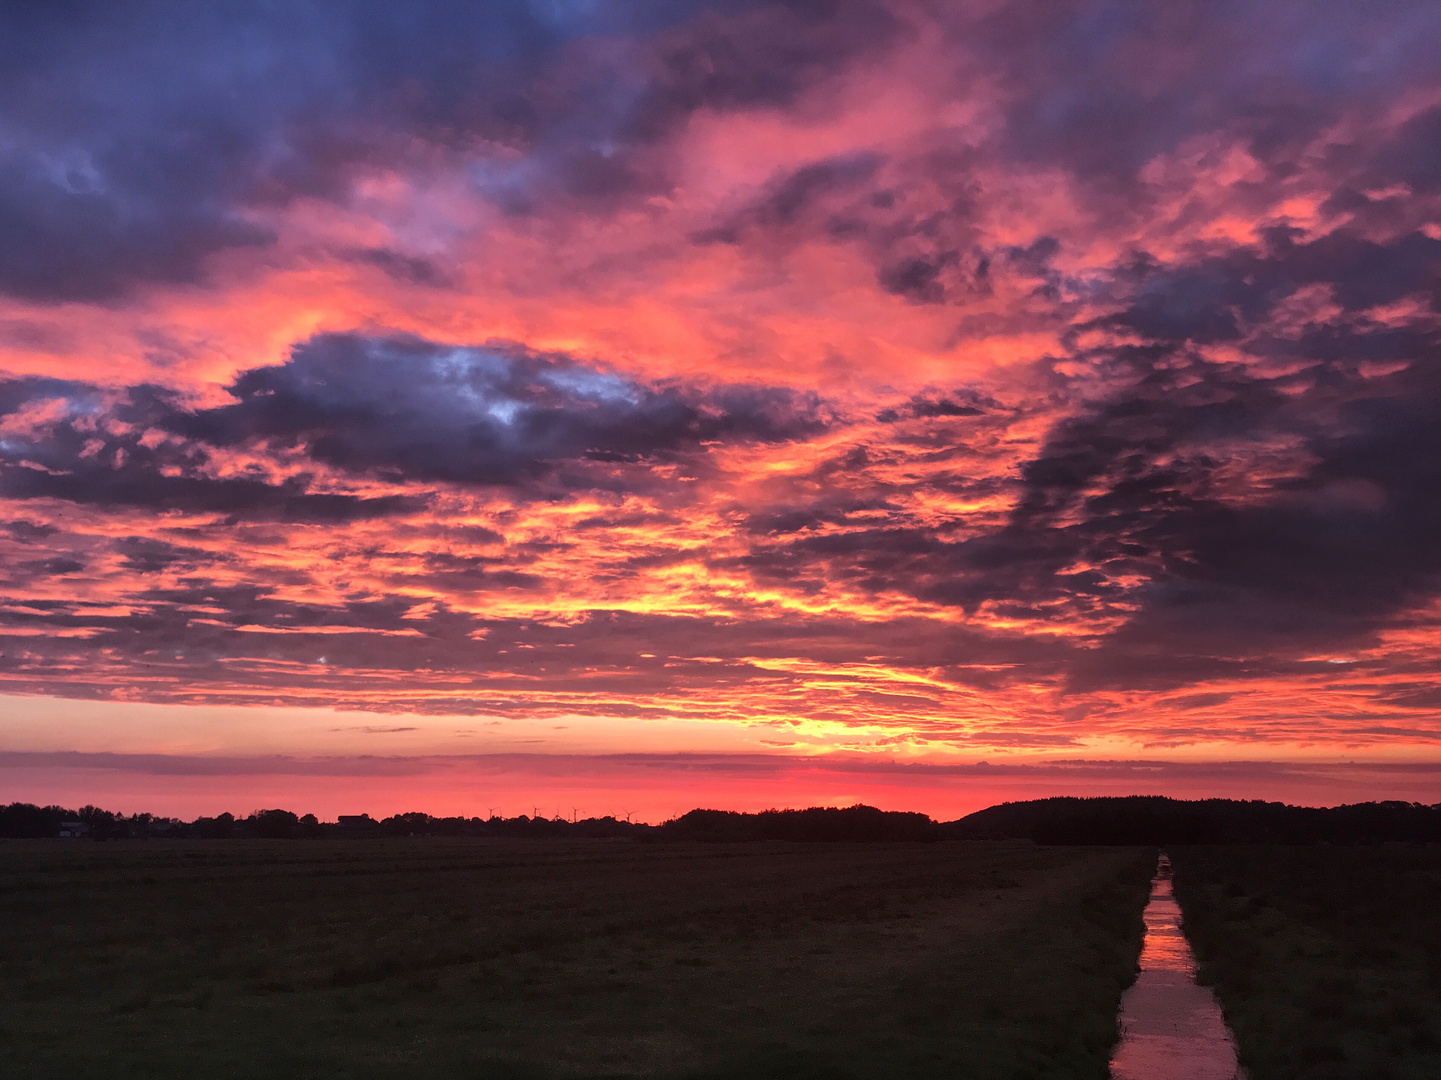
(1327,960)
(464,958)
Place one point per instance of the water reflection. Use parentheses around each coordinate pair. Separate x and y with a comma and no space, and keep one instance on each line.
(1171,1028)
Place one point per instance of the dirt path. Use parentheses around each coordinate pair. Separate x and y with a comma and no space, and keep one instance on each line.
(1171,1028)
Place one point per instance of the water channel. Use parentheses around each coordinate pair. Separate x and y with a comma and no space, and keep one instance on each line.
(1171,1027)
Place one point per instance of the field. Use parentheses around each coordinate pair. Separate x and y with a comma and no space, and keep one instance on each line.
(1327,960)
(465,958)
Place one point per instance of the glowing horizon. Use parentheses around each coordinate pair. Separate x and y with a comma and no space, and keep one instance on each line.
(792,386)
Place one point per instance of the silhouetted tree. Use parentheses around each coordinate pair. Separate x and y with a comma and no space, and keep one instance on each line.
(221,827)
(100,822)
(853,824)
(25,821)
(272,824)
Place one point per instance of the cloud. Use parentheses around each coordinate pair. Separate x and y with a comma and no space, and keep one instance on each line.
(400,409)
(147,555)
(161,132)
(83,446)
(1100,89)
(789,199)
(1217,299)
(163,137)
(1227,512)
(1318,554)
(408,409)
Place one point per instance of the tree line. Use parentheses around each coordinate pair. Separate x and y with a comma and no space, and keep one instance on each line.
(26,821)
(1127,820)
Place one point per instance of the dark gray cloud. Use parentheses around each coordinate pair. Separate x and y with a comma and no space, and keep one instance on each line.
(409,409)
(139,139)
(761,57)
(1135,506)
(407,269)
(58,566)
(1223,297)
(30,532)
(793,197)
(146,555)
(1101,87)
(95,451)
(1143,483)
(401,409)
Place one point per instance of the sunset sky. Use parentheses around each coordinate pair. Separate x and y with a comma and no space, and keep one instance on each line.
(620,407)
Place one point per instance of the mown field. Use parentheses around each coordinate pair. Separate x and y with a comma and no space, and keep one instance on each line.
(468,958)
(1327,960)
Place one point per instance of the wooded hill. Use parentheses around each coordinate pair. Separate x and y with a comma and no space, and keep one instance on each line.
(1155,820)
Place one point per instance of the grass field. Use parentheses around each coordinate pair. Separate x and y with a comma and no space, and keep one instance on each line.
(1327,960)
(436,958)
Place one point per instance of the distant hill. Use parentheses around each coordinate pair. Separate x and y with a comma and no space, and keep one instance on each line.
(1155,820)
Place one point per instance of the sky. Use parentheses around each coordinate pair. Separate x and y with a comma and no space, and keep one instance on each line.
(579,407)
